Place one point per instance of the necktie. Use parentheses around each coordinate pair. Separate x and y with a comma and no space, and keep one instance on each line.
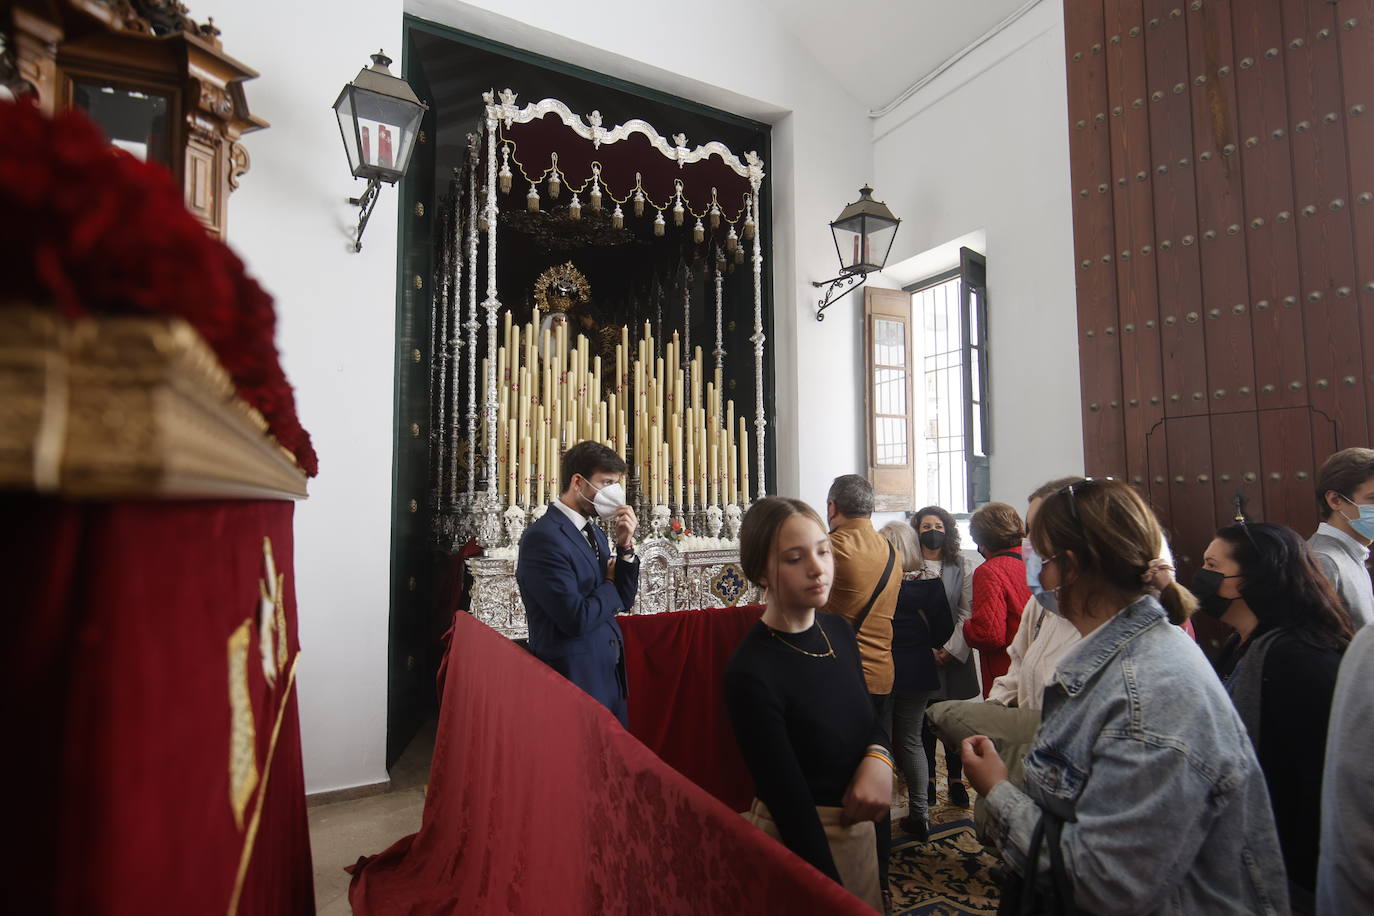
(591,539)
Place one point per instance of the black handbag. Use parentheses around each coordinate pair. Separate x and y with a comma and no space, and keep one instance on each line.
(1031,897)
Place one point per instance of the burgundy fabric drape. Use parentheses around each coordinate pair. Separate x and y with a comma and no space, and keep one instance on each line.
(675,664)
(117,683)
(535,141)
(539,802)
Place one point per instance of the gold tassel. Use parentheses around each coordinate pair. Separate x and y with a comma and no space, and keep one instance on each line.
(659,224)
(617,218)
(575,208)
(532,199)
(698,233)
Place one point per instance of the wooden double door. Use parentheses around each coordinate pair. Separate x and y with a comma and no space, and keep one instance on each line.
(1222,158)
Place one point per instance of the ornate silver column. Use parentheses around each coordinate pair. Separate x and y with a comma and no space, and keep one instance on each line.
(438,379)
(489,520)
(474,148)
(719,352)
(760,421)
(455,343)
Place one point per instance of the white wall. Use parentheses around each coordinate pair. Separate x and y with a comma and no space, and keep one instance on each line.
(289,220)
(290,223)
(984,147)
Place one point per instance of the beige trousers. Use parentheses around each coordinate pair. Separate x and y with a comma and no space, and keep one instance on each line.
(853,848)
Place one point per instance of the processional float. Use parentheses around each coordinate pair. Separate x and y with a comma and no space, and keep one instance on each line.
(694,464)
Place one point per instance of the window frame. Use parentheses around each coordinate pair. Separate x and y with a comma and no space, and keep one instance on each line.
(894,485)
(973,346)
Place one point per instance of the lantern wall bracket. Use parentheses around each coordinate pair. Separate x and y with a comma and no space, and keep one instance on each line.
(837,288)
(365,203)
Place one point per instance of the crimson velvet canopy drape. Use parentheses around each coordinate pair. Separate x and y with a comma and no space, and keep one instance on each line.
(675,664)
(539,802)
(152,766)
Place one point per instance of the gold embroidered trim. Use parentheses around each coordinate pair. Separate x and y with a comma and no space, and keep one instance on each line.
(243,735)
(273,590)
(281,621)
(252,835)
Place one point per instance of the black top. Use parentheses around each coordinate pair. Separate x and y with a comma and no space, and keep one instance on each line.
(803,725)
(1295,705)
(921,623)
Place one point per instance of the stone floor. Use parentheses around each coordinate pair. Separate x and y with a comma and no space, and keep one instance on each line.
(342,831)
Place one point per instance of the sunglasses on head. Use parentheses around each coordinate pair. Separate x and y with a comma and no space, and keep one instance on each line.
(1079,486)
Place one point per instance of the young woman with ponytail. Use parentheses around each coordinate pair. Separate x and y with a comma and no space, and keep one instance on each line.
(1141,776)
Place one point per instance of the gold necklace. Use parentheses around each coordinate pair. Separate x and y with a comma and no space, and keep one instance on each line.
(829,649)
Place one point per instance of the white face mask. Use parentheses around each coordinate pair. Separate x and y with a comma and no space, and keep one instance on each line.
(608,499)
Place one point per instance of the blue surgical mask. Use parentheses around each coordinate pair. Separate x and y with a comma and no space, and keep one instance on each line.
(1048,598)
(1364,524)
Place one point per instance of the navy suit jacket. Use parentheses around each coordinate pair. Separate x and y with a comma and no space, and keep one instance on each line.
(571,607)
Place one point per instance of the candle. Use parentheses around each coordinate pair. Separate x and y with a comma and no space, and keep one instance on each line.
(715,474)
(677,466)
(522,392)
(541,455)
(525,471)
(663,487)
(691,464)
(730,490)
(654,459)
(503,407)
(512,465)
(743,462)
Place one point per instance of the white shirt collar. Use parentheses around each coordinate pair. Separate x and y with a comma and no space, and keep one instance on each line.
(577,518)
(1355,546)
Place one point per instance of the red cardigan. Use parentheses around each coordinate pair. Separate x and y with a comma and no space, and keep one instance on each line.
(999,594)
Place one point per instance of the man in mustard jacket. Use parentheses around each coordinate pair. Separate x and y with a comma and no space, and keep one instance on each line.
(864,590)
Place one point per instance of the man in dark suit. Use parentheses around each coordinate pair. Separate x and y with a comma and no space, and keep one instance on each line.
(571,585)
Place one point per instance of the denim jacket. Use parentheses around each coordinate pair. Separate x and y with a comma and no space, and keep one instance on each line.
(1142,755)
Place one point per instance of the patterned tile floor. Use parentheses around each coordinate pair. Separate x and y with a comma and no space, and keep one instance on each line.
(947,875)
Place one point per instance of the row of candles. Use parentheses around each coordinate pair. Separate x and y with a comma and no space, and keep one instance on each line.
(684,448)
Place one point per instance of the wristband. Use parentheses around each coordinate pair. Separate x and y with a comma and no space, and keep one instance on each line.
(879,755)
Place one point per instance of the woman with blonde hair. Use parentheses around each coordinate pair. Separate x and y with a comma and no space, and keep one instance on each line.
(1141,783)
(921,624)
(800,708)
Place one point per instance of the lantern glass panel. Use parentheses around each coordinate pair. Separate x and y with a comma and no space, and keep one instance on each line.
(386,131)
(880,236)
(343,109)
(134,121)
(849,246)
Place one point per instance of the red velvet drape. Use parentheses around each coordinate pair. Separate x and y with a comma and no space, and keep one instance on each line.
(117,687)
(675,664)
(539,802)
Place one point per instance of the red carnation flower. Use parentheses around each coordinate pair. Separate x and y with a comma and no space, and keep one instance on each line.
(91,230)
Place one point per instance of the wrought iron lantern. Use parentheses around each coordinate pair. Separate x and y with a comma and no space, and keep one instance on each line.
(379,118)
(863,233)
